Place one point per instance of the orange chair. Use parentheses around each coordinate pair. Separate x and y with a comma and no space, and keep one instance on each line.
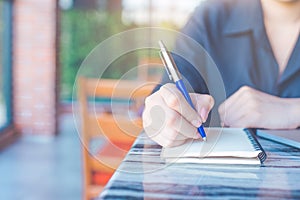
(116,130)
(150,69)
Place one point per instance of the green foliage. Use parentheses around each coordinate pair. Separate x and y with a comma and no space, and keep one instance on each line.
(81,31)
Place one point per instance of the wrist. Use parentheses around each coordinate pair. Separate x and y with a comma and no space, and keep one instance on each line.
(295,112)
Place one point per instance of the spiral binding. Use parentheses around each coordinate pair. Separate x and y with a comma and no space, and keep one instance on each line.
(262,156)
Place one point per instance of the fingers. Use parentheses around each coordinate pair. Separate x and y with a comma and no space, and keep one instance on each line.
(182,126)
(166,126)
(232,109)
(169,122)
(203,104)
(239,109)
(176,101)
(251,108)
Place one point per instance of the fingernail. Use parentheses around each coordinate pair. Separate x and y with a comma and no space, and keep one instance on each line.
(196,123)
(204,114)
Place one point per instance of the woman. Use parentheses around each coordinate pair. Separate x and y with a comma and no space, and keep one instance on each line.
(256,46)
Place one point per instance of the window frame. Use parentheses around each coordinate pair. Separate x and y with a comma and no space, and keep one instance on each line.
(7,131)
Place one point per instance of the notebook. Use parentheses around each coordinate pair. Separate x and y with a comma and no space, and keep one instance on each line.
(288,137)
(223,146)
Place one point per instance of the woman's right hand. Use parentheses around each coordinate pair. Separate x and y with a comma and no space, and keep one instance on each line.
(169,120)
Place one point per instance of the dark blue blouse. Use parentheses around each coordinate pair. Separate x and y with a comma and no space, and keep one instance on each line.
(234,35)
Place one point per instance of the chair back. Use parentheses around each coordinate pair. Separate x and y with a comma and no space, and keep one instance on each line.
(118,130)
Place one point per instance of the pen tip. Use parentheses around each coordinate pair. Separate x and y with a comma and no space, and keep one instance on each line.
(204,139)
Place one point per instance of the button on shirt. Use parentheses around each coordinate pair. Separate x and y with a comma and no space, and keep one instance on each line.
(233,34)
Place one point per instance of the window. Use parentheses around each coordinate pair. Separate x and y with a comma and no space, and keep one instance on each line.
(5,64)
(2,106)
(84,24)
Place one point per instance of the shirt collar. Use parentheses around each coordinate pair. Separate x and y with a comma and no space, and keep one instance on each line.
(245,16)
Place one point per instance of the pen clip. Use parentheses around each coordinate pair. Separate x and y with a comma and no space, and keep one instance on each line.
(165,65)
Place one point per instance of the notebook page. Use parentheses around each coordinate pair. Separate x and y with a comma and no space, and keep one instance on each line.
(226,142)
(214,160)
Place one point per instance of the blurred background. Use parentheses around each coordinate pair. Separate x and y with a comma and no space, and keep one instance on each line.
(42,45)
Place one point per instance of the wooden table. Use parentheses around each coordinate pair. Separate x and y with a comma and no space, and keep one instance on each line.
(143,175)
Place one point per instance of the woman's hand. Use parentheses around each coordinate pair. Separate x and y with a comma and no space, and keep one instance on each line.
(169,120)
(250,108)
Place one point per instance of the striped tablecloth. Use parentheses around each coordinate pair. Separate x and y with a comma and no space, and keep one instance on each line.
(143,175)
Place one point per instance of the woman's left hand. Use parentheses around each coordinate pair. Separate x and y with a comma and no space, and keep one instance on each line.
(250,108)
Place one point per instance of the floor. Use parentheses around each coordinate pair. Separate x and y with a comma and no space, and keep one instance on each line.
(35,169)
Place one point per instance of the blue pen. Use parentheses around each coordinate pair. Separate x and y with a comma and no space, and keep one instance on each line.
(175,76)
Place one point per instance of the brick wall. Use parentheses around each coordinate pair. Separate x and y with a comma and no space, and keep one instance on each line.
(35,66)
